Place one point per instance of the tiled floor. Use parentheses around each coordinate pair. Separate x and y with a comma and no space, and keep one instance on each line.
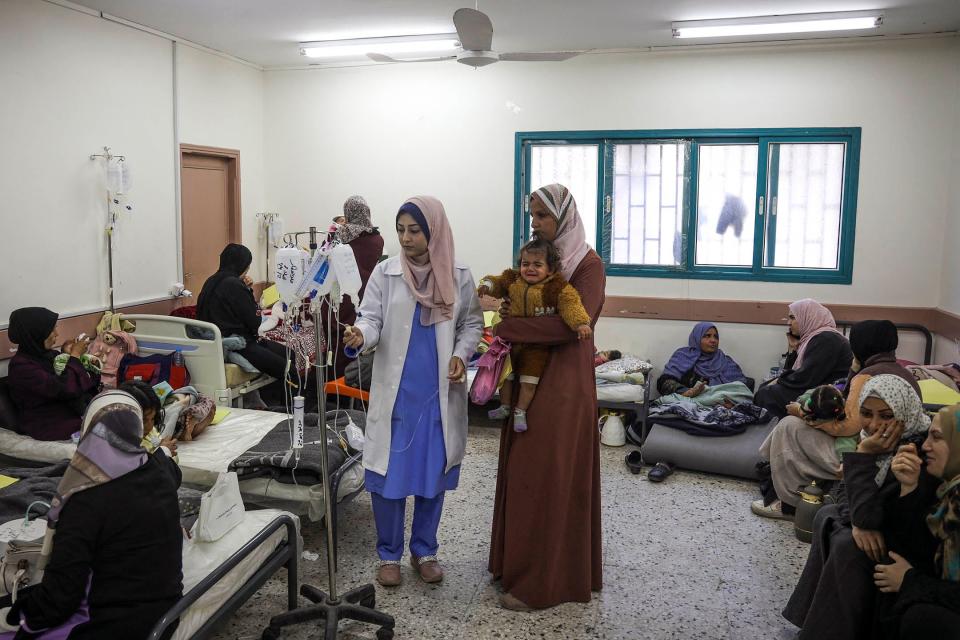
(683,559)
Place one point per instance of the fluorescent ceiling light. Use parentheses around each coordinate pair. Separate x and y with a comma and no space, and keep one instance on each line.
(770,25)
(392,46)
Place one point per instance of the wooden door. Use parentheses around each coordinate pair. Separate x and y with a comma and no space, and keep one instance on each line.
(209,211)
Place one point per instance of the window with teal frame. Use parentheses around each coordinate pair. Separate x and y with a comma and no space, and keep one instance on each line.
(723,204)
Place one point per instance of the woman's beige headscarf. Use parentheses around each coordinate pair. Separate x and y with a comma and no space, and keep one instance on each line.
(571,240)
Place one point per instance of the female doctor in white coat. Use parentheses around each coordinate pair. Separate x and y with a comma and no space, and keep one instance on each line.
(421,312)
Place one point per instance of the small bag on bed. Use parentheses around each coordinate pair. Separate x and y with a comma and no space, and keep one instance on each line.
(111,347)
(153,370)
(221,509)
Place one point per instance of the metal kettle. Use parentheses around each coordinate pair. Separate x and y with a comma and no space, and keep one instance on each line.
(811,500)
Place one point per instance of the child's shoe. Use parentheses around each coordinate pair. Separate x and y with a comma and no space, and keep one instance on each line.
(499,413)
(519,420)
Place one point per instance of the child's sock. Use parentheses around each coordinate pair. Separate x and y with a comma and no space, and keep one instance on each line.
(519,420)
(499,413)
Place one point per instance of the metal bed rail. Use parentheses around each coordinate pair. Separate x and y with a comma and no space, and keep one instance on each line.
(286,554)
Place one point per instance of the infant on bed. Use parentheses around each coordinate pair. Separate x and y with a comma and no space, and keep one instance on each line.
(535,289)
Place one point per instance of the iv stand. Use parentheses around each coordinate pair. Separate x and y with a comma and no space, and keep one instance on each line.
(111,221)
(359,602)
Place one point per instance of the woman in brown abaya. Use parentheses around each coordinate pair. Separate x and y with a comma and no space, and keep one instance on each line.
(545,548)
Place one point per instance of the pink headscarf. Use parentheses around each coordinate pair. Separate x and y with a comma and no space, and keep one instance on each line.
(571,240)
(433,284)
(813,319)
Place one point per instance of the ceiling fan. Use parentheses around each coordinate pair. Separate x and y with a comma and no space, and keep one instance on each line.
(475,32)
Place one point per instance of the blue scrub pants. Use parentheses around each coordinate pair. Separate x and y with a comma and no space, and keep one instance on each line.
(389,517)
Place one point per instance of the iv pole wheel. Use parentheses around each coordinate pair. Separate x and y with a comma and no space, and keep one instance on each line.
(384,634)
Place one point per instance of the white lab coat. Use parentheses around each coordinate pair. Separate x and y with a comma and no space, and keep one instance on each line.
(384,319)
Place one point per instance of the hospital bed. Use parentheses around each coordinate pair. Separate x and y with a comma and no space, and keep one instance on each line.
(620,396)
(209,374)
(203,459)
(219,576)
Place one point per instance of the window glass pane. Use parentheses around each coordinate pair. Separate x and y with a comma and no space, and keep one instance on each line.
(648,203)
(806,182)
(726,204)
(575,167)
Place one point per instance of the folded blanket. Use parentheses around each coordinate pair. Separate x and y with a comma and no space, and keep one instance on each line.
(35,483)
(697,420)
(230,344)
(273,457)
(736,392)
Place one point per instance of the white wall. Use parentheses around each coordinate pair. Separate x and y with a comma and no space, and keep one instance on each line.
(950,286)
(221,105)
(72,83)
(392,131)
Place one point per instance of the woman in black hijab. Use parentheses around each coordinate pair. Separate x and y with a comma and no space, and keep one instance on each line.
(49,404)
(227,301)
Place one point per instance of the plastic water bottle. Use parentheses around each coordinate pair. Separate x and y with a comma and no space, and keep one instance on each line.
(178,358)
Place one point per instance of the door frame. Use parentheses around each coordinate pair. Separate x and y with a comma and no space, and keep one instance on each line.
(232,156)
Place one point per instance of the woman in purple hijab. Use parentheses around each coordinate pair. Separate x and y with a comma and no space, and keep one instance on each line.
(701,363)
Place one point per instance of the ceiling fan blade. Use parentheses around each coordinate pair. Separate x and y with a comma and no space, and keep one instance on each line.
(379,57)
(545,56)
(474,29)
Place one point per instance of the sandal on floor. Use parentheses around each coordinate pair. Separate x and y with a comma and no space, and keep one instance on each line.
(388,573)
(513,603)
(634,462)
(660,472)
(428,567)
(774,510)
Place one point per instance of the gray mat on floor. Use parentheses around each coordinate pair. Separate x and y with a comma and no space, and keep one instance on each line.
(731,455)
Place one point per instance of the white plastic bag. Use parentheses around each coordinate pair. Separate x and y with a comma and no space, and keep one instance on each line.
(221,509)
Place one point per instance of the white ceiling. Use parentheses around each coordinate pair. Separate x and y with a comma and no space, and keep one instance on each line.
(267,32)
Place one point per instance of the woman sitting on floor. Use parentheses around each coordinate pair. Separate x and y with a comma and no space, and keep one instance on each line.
(51,389)
(925,576)
(688,373)
(701,363)
(800,449)
(835,596)
(817,354)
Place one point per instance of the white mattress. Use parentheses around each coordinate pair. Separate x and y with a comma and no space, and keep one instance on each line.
(201,558)
(203,459)
(620,392)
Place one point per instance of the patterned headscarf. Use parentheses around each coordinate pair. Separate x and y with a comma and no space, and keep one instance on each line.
(944,522)
(906,406)
(357,213)
(109,448)
(812,319)
(434,284)
(571,238)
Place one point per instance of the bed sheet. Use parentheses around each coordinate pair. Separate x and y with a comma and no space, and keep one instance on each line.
(24,447)
(205,458)
(201,558)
